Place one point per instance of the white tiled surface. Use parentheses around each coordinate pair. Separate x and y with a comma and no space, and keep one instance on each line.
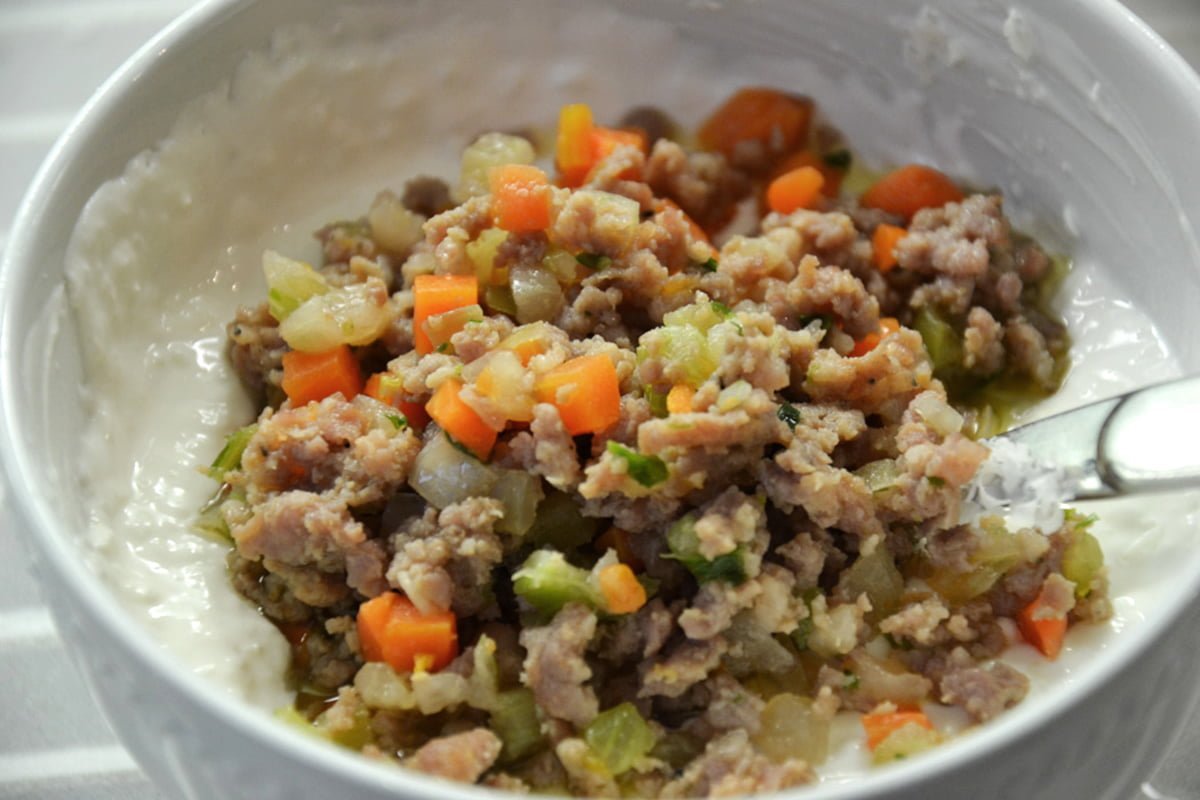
(53,741)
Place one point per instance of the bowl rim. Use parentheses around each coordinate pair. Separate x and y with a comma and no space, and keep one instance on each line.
(40,529)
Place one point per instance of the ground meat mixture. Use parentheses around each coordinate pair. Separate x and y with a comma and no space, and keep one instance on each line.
(569,484)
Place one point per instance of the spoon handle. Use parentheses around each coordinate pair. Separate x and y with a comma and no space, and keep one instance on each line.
(1146,440)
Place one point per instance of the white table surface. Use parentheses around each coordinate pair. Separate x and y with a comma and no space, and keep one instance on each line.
(53,741)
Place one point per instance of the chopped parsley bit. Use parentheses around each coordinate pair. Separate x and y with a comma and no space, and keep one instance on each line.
(444,347)
(462,448)
(826,320)
(646,470)
(852,682)
(934,480)
(726,313)
(789,414)
(838,159)
(399,421)
(710,265)
(594,260)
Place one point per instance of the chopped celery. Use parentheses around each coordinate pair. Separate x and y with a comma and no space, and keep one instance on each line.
(594,261)
(677,749)
(482,253)
(520,492)
(876,576)
(548,582)
(289,284)
(700,316)
(355,737)
(942,341)
(230,457)
(646,470)
(210,523)
(790,728)
(619,737)
(399,421)
(1082,561)
(685,548)
(515,721)
(684,351)
(562,265)
(559,524)
(879,475)
(490,150)
(657,401)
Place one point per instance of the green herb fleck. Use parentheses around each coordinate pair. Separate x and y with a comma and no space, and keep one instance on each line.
(838,159)
(1079,520)
(789,414)
(444,347)
(826,320)
(726,313)
(710,265)
(399,421)
(934,480)
(852,682)
(646,470)
(594,261)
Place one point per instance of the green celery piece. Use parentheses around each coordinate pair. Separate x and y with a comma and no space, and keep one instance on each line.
(647,470)
(548,582)
(515,721)
(230,457)
(789,414)
(685,548)
(943,342)
(619,737)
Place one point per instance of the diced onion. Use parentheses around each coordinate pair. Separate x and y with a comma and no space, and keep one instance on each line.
(790,728)
(289,283)
(536,293)
(352,315)
(445,475)
(440,327)
(394,227)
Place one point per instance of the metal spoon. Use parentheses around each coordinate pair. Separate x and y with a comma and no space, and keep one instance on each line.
(1146,440)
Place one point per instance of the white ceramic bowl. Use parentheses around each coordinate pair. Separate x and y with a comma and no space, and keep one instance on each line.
(1077,111)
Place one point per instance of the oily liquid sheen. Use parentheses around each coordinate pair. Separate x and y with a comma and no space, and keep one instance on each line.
(164,253)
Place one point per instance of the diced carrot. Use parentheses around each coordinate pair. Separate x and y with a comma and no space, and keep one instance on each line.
(618,539)
(808,158)
(573,153)
(907,190)
(387,388)
(1043,630)
(606,140)
(520,198)
(800,188)
(869,342)
(459,420)
(437,294)
(884,723)
(679,399)
(315,376)
(776,120)
(391,629)
(623,594)
(883,244)
(697,232)
(586,392)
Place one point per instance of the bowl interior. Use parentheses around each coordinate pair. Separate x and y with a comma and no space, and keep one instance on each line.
(1090,145)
